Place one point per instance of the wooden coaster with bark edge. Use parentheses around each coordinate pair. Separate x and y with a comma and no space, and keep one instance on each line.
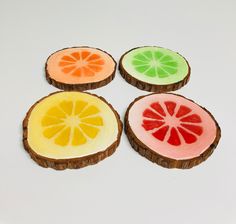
(68,68)
(148,86)
(70,163)
(164,161)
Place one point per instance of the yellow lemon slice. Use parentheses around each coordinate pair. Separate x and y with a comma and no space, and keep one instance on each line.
(71,130)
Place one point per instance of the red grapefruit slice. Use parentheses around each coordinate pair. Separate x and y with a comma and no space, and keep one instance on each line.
(171,130)
(80,68)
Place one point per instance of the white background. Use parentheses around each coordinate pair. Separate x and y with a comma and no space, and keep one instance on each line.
(125,188)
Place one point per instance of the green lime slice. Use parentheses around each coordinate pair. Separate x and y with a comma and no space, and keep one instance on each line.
(155,65)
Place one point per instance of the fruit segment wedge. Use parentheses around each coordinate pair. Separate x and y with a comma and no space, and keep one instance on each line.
(171,130)
(80,68)
(154,69)
(71,130)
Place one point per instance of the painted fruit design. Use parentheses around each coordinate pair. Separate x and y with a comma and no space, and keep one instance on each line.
(154,69)
(171,126)
(79,65)
(71,125)
(155,63)
(172,122)
(72,122)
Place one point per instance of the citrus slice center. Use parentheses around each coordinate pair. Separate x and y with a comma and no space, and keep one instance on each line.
(171,121)
(80,64)
(72,121)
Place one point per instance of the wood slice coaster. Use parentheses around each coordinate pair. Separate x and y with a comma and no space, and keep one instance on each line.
(80,68)
(154,69)
(171,130)
(71,130)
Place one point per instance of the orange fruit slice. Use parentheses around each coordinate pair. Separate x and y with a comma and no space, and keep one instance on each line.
(80,68)
(171,130)
(71,130)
